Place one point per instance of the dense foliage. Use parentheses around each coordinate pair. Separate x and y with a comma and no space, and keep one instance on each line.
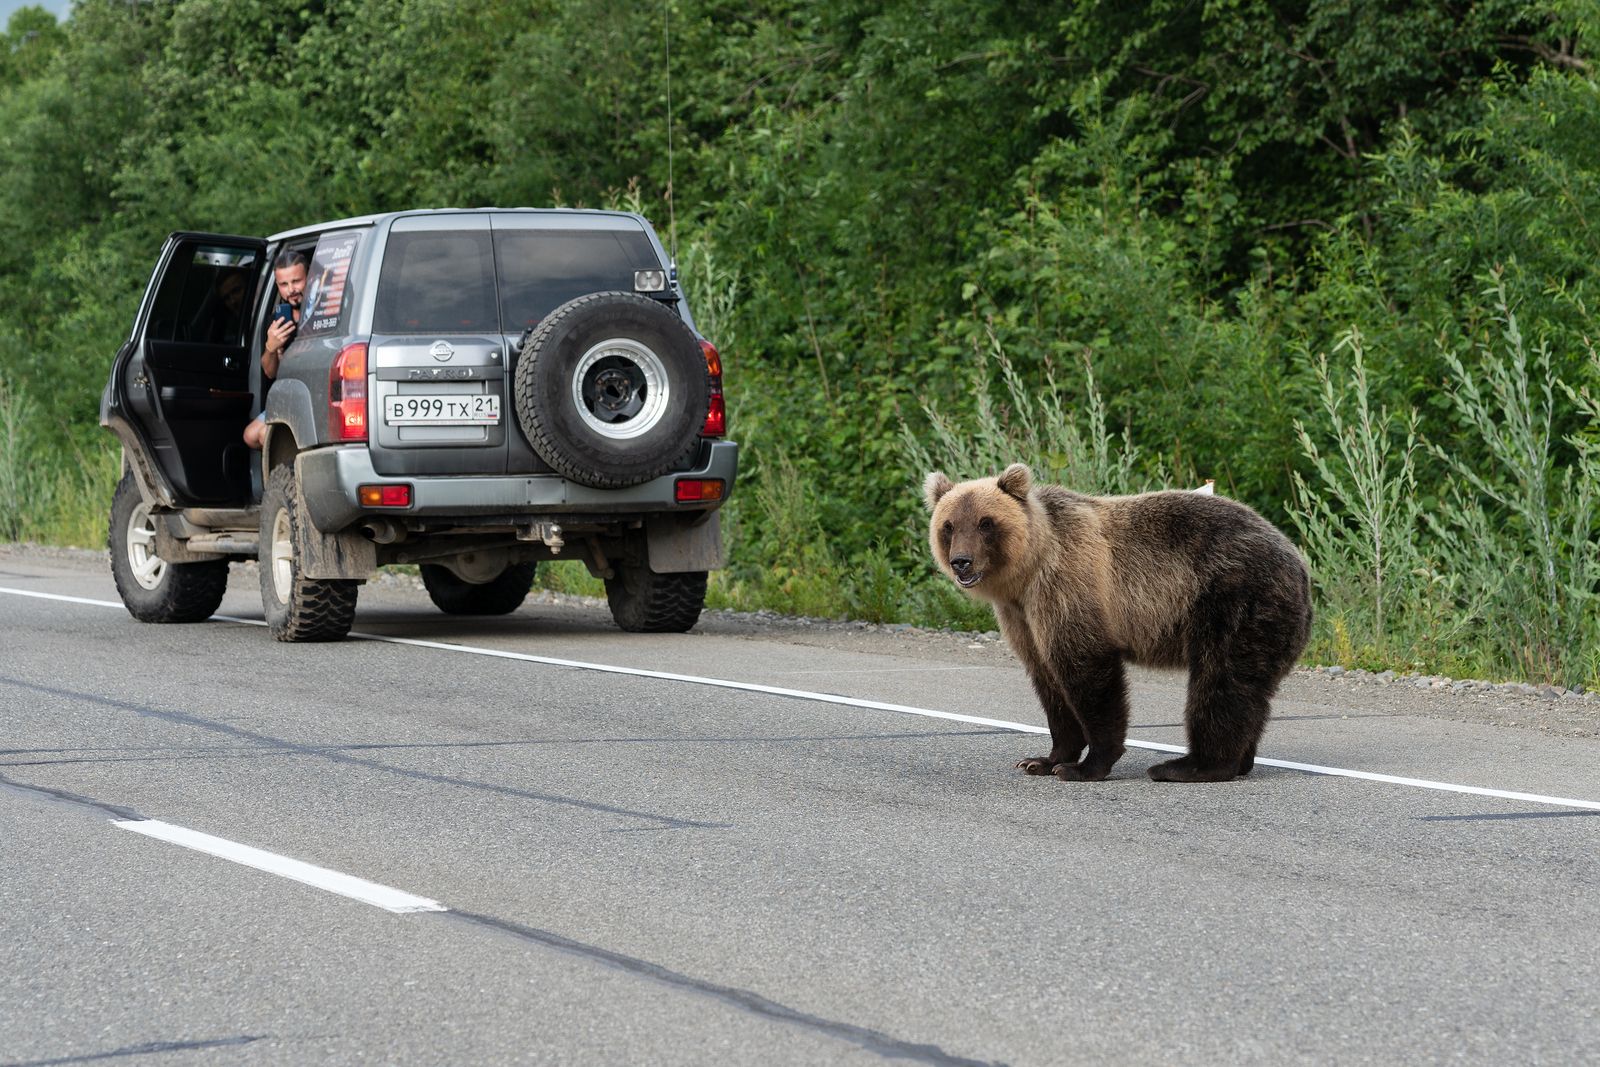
(1247,221)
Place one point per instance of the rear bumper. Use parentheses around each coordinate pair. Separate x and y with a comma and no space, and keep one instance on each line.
(329,478)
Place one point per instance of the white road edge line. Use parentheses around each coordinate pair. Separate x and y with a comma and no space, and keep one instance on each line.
(976,720)
(382,896)
(874,705)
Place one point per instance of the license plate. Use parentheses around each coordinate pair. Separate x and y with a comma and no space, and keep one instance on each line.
(442,409)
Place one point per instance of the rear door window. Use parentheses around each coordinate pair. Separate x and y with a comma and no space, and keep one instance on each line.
(542,269)
(204,296)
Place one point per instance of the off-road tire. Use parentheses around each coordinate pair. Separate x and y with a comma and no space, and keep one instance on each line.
(644,602)
(612,390)
(500,595)
(297,608)
(152,589)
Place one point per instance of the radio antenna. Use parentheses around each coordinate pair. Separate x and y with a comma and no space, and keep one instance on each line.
(672,215)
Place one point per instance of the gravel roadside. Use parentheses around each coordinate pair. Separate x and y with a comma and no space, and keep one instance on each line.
(1511,705)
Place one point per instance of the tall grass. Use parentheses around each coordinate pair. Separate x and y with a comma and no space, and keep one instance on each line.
(73,503)
(1031,424)
(1358,521)
(1501,575)
(17,415)
(800,573)
(55,490)
(1526,529)
(713,289)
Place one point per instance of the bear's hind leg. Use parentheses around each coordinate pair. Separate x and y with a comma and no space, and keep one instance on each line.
(1232,676)
(1097,690)
(1224,722)
(1066,735)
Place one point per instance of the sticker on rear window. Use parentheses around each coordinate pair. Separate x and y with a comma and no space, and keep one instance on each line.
(325,289)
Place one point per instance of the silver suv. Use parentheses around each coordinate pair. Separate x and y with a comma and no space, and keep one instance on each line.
(471,391)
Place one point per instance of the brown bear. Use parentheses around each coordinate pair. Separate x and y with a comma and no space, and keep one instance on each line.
(1081,584)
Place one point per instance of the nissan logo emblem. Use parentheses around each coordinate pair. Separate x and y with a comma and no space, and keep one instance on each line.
(441,351)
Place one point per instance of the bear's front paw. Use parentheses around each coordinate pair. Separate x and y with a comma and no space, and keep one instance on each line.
(1036,765)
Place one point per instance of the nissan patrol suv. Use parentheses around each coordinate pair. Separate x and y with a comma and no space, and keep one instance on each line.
(471,391)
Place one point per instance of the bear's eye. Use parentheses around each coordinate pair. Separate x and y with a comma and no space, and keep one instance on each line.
(986,524)
(949,528)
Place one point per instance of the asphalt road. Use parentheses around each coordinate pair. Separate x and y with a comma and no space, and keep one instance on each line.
(630,868)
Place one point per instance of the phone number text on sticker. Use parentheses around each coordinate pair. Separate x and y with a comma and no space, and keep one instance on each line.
(451,409)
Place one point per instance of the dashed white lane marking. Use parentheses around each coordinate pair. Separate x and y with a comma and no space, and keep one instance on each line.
(876,705)
(382,896)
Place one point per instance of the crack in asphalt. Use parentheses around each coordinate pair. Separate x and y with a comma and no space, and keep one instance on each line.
(334,756)
(875,1041)
(146,1049)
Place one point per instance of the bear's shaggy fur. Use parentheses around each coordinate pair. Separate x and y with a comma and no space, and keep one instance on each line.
(1081,584)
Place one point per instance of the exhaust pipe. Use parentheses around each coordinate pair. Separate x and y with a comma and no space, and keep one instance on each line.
(384,531)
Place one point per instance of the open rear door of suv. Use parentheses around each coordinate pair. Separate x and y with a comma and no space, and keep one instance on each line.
(181,388)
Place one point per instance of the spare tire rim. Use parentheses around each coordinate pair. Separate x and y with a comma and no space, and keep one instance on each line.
(147,567)
(281,556)
(619,389)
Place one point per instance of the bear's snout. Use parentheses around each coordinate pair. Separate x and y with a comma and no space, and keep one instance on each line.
(961,567)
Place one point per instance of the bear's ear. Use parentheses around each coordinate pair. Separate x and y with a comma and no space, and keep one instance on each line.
(1015,481)
(934,487)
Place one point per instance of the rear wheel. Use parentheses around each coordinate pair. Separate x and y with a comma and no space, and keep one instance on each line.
(643,601)
(500,595)
(153,589)
(297,608)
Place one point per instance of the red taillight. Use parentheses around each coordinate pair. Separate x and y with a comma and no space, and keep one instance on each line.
(384,496)
(716,413)
(716,418)
(347,394)
(698,490)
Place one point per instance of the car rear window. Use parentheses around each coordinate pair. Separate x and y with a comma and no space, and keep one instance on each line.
(437,281)
(443,281)
(541,270)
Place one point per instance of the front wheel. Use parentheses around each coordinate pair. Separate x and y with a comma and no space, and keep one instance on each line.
(297,608)
(643,601)
(153,589)
(500,595)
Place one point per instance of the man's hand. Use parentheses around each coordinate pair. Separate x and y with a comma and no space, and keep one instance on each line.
(278,335)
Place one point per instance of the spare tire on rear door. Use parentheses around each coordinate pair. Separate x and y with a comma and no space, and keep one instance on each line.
(612,390)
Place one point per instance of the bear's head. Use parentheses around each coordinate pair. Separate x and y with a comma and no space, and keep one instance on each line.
(979,530)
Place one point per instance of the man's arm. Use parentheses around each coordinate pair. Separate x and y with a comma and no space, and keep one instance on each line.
(278,335)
